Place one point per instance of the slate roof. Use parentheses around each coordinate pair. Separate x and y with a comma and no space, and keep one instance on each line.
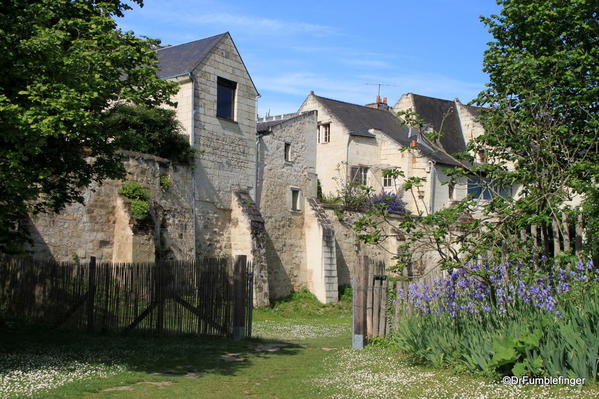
(442,116)
(183,58)
(359,119)
(263,127)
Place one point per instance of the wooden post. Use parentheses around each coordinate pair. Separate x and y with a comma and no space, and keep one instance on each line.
(579,235)
(250,301)
(566,227)
(91,293)
(238,305)
(359,303)
(556,239)
(369,301)
(159,286)
(383,312)
(376,305)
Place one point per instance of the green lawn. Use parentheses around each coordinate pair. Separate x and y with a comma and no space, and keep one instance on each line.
(301,350)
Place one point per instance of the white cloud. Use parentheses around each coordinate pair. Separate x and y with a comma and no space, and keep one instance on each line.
(261,24)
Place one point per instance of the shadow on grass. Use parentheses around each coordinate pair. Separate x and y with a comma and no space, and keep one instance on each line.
(158,355)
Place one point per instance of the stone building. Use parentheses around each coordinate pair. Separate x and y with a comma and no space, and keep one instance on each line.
(357,143)
(215,215)
(252,188)
(300,246)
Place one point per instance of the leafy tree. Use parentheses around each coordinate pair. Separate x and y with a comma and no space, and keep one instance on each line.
(541,129)
(541,136)
(63,63)
(150,130)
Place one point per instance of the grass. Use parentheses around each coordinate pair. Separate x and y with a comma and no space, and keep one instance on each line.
(301,350)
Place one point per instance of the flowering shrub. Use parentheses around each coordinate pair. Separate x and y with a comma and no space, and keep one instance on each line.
(506,319)
(391,202)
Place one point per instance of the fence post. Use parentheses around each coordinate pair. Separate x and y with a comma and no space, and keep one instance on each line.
(159,295)
(369,302)
(238,298)
(383,306)
(359,303)
(250,299)
(91,293)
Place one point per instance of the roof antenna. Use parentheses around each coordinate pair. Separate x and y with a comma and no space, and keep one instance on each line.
(379,86)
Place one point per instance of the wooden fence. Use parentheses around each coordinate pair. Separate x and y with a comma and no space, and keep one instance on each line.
(370,287)
(205,297)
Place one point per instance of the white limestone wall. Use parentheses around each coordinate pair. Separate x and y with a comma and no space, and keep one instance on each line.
(321,256)
(183,100)
(331,158)
(285,246)
(227,158)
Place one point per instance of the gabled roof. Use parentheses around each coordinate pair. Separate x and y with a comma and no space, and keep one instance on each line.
(359,120)
(183,58)
(442,116)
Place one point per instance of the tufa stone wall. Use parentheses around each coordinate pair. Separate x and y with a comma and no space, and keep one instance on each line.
(248,237)
(321,254)
(348,249)
(285,241)
(226,159)
(102,227)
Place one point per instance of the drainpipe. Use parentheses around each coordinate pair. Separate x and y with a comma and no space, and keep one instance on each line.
(192,137)
(256,196)
(431,165)
(347,167)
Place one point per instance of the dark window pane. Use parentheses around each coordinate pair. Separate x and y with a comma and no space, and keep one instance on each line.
(225,95)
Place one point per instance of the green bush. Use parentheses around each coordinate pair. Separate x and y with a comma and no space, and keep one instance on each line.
(149,130)
(139,197)
(165,183)
(140,210)
(134,190)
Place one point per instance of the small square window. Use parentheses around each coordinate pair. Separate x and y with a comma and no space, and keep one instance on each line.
(225,98)
(324,133)
(295,199)
(287,152)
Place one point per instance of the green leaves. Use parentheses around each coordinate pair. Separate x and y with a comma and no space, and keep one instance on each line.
(64,63)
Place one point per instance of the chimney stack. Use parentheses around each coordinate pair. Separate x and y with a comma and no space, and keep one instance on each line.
(378,99)
(384,100)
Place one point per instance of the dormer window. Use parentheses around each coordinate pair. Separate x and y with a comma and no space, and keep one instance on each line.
(225,98)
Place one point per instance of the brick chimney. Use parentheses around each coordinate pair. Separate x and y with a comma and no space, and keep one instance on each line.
(379,104)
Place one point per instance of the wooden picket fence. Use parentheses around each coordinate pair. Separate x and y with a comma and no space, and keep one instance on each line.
(204,297)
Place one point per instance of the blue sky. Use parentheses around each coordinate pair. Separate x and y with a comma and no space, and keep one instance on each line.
(339,49)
